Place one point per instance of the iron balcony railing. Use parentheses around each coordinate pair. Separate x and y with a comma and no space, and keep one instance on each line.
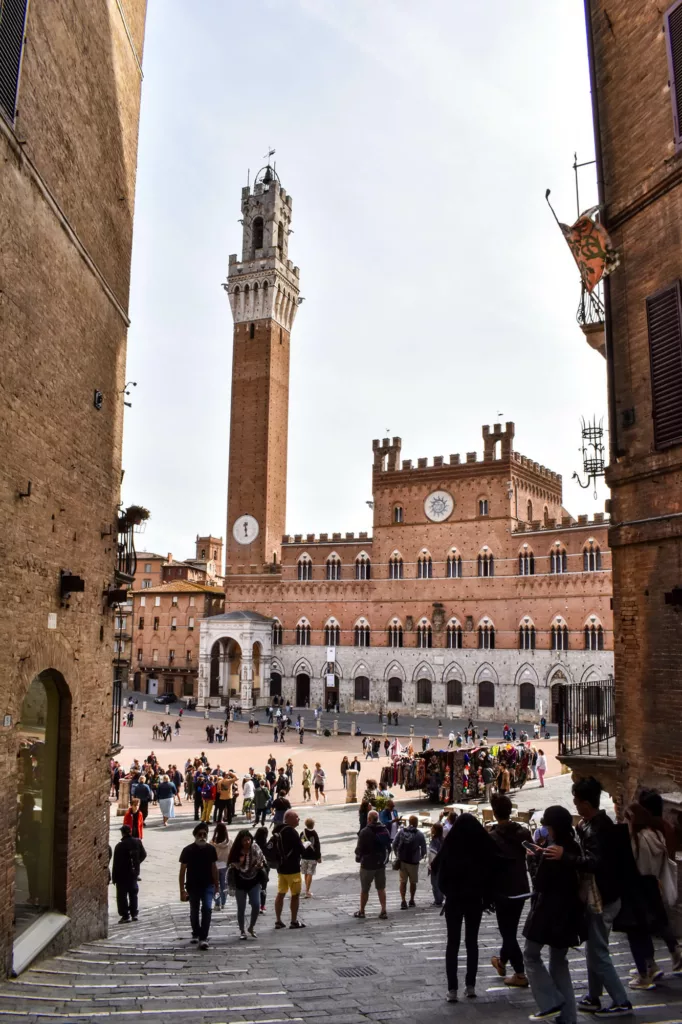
(587,718)
(116,702)
(126,558)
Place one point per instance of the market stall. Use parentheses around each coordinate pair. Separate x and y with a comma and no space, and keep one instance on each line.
(449,776)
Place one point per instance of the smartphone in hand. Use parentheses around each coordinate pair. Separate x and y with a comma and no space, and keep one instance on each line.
(532,848)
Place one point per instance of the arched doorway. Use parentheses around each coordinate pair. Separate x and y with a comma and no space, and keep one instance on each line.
(44,736)
(214,680)
(558,681)
(331,693)
(275,684)
(302,690)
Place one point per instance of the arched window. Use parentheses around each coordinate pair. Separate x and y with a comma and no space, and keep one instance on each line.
(424,567)
(559,637)
(363,567)
(483,506)
(395,634)
(486,694)
(252,330)
(486,636)
(594,637)
(558,560)
(486,564)
(527,637)
(280,237)
(395,567)
(526,563)
(303,633)
(332,634)
(527,697)
(424,635)
(333,567)
(305,568)
(453,689)
(529,511)
(277,633)
(454,635)
(591,557)
(395,690)
(454,565)
(424,691)
(361,688)
(362,634)
(257,233)
(398,514)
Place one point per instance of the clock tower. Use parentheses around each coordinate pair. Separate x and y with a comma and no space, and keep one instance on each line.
(263,289)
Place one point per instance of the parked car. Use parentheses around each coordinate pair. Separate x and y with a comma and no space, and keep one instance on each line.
(165,698)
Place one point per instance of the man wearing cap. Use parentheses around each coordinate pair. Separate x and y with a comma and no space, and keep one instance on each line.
(125,871)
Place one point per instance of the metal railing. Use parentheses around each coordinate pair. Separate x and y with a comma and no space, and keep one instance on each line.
(587,718)
(116,701)
(591,307)
(126,558)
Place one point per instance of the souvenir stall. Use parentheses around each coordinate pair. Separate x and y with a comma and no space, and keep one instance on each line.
(452,776)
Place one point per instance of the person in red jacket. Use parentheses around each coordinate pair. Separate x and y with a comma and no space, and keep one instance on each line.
(133,817)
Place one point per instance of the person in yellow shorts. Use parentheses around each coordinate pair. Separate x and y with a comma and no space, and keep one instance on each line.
(289,869)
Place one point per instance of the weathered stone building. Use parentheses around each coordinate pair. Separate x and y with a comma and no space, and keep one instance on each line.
(476,593)
(70,75)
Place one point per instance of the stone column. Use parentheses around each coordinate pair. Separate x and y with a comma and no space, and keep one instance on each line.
(440,732)
(352,728)
(352,786)
(123,797)
(224,678)
(318,725)
(202,688)
(246,680)
(335,727)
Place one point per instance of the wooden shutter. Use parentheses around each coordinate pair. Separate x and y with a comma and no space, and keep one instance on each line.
(664,320)
(673,35)
(12,25)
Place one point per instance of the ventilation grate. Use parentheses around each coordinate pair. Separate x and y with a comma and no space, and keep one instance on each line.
(355,972)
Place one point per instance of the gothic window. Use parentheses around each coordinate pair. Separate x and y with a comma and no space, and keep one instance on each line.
(527,637)
(424,567)
(395,634)
(252,330)
(454,565)
(305,568)
(527,697)
(303,633)
(526,563)
(486,694)
(395,690)
(395,567)
(280,237)
(559,637)
(594,637)
(257,233)
(424,691)
(424,635)
(453,689)
(591,557)
(362,567)
(332,634)
(558,561)
(361,688)
(333,567)
(398,514)
(529,511)
(362,634)
(483,506)
(277,633)
(486,564)
(454,635)
(486,636)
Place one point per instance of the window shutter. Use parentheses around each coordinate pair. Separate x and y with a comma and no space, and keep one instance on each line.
(12,25)
(673,35)
(664,320)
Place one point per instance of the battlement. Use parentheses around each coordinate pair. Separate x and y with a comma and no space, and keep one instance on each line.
(325,538)
(536,467)
(565,523)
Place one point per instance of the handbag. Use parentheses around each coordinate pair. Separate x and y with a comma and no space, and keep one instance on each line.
(396,865)
(668,882)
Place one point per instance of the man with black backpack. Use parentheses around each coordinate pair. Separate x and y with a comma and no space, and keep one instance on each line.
(409,848)
(284,851)
(125,871)
(372,852)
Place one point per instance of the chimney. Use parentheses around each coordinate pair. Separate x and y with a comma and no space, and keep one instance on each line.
(170,556)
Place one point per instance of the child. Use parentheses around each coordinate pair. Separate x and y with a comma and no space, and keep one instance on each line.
(313,857)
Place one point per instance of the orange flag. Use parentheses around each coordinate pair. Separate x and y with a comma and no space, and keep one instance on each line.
(591,246)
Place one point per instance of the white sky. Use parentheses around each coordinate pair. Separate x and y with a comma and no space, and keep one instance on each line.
(417,138)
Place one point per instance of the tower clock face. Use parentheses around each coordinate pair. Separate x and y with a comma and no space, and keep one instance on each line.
(438,506)
(245,529)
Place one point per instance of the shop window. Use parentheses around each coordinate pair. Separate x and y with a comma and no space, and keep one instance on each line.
(361,688)
(454,692)
(395,690)
(424,689)
(486,694)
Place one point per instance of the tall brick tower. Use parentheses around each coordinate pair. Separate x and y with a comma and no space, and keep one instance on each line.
(263,290)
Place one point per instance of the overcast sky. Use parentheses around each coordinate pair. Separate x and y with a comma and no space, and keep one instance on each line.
(417,138)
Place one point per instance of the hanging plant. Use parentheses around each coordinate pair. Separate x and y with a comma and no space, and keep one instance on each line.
(135,515)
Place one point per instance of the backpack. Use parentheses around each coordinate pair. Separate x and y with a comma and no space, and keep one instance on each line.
(408,846)
(274,850)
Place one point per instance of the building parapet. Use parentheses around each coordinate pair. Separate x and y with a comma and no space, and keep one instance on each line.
(565,523)
(325,538)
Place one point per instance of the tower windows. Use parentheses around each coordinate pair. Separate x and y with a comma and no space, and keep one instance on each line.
(303,633)
(252,331)
(362,567)
(362,634)
(332,634)
(395,567)
(398,514)
(454,565)
(395,634)
(454,636)
(483,506)
(527,637)
(257,233)
(559,636)
(424,566)
(277,633)
(591,557)
(486,636)
(526,563)
(305,568)
(333,567)
(424,635)
(558,561)
(486,563)
(594,637)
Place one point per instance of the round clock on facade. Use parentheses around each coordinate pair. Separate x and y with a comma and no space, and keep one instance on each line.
(438,506)
(245,529)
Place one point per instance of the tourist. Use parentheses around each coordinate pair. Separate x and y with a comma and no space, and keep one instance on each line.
(459,740)
(261,800)
(165,794)
(199,780)
(289,772)
(541,767)
(555,919)
(301,734)
(388,816)
(313,857)
(387,746)
(598,862)
(143,793)
(198,882)
(409,847)
(372,852)
(133,817)
(261,840)
(355,764)
(450,820)
(509,837)
(451,740)
(280,805)
(282,785)
(125,872)
(208,792)
(503,781)
(363,813)
(177,778)
(319,779)
(246,868)
(248,790)
(345,765)
(306,781)
(223,796)
(653,802)
(488,776)
(222,845)
(435,846)
(289,869)
(465,870)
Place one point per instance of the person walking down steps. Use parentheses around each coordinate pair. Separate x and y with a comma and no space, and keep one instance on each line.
(125,872)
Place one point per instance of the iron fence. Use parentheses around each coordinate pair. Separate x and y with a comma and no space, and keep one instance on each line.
(126,557)
(116,702)
(587,718)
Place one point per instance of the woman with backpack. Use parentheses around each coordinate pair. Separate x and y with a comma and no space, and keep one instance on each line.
(222,845)
(245,871)
(319,779)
